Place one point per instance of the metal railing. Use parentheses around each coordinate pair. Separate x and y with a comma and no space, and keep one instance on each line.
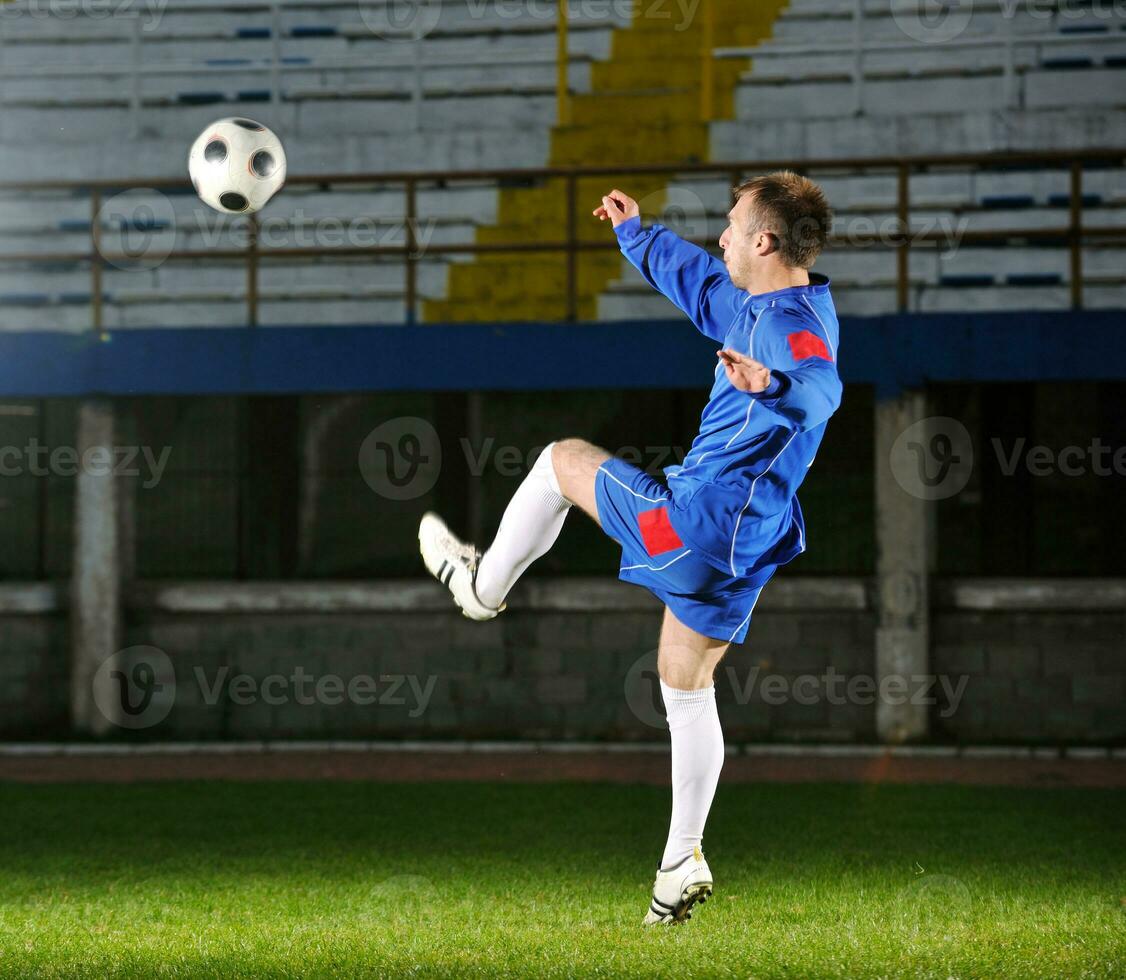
(569,245)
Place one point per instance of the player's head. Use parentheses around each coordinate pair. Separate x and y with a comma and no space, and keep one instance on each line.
(781,218)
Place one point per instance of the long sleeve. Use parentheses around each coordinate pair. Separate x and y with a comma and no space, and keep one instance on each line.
(695,281)
(805,388)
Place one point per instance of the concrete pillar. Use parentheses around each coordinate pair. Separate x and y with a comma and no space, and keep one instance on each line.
(95,602)
(903,563)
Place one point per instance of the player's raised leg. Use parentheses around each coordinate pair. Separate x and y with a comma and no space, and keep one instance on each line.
(686,663)
(562,475)
(576,467)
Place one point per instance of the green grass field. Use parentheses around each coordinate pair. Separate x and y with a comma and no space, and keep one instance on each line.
(224,879)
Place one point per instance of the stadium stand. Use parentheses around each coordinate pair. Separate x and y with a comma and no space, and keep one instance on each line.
(473,87)
(394,98)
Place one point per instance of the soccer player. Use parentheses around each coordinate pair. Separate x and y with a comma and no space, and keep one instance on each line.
(706,539)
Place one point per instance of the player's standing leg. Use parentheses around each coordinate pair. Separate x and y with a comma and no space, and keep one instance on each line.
(686,662)
(562,475)
(565,475)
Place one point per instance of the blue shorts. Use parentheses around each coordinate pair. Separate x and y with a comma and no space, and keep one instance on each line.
(633,509)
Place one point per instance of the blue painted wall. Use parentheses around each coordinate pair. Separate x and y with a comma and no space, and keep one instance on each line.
(889,352)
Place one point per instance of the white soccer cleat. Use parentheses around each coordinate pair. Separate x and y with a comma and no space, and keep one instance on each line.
(454,564)
(677,889)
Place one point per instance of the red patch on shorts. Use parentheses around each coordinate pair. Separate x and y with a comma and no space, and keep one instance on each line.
(807,344)
(657,532)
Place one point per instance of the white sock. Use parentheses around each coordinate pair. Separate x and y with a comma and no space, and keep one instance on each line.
(531,523)
(697,758)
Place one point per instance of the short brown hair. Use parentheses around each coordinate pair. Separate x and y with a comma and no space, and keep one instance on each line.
(795,209)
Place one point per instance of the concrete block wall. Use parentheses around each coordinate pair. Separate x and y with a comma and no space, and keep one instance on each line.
(543,671)
(1034,677)
(530,674)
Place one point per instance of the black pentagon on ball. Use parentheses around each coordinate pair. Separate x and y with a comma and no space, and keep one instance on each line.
(215,151)
(263,164)
(233,201)
(249,124)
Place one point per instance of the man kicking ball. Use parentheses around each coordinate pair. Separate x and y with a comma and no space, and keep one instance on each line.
(706,541)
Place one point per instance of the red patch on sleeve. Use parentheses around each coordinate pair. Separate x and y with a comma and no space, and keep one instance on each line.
(657,532)
(807,344)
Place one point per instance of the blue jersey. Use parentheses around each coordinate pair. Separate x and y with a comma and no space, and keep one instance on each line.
(734,497)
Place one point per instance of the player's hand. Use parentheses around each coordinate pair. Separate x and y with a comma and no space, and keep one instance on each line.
(618,207)
(744,372)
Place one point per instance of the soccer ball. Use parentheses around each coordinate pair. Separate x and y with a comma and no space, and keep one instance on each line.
(237,165)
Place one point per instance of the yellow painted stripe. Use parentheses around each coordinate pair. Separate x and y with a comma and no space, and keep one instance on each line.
(644,107)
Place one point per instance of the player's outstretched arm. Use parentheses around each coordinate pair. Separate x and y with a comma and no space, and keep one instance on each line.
(802,385)
(695,281)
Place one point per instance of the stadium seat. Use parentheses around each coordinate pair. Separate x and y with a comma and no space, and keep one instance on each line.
(1008,201)
(24,299)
